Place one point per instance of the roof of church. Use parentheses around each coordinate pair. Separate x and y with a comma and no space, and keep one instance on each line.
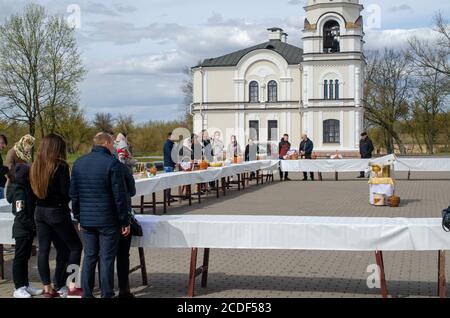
(291,53)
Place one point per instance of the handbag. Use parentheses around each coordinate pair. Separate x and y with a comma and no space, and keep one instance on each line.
(446,219)
(135,227)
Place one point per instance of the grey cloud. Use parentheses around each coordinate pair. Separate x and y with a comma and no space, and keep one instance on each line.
(125,8)
(296,2)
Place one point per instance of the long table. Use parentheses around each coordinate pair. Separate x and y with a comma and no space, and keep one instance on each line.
(401,164)
(285,233)
(166,181)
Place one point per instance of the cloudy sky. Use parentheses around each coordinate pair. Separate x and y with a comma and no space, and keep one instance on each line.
(135,50)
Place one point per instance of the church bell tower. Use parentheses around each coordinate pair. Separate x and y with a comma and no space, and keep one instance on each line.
(333,74)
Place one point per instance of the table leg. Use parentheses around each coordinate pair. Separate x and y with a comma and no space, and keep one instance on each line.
(257,177)
(239,181)
(336,176)
(2,263)
(154,202)
(380,263)
(192,272)
(199,186)
(143,266)
(320,176)
(142,204)
(217,189)
(243,181)
(205,268)
(189,193)
(409,175)
(165,202)
(441,275)
(224,186)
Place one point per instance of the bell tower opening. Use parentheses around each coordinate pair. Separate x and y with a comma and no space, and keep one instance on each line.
(331,37)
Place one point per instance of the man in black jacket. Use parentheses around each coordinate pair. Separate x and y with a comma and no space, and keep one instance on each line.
(365,149)
(100,204)
(306,149)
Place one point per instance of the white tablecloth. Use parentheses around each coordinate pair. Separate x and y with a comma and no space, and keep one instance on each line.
(386,189)
(355,165)
(171,180)
(283,232)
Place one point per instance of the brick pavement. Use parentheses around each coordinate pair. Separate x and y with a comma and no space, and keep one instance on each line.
(242,273)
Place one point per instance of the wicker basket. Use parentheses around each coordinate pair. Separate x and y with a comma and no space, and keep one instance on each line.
(394,201)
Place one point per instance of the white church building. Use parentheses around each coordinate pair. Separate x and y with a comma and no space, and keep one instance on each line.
(275,88)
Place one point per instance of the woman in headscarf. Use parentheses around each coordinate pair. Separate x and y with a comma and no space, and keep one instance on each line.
(22,152)
(124,152)
(234,149)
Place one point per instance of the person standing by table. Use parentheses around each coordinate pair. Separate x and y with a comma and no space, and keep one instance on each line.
(50,181)
(20,153)
(208,153)
(366,149)
(217,147)
(100,205)
(23,204)
(283,148)
(3,169)
(251,154)
(306,150)
(123,251)
(234,149)
(169,163)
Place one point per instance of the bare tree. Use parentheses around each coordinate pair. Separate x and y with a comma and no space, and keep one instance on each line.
(430,100)
(387,94)
(124,124)
(104,122)
(433,54)
(39,67)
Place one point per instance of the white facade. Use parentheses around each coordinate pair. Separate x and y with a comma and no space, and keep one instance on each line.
(331,115)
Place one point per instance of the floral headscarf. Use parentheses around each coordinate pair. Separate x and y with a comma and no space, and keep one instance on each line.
(23,148)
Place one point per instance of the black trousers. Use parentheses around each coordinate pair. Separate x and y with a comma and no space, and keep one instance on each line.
(123,263)
(286,174)
(20,263)
(55,225)
(311,174)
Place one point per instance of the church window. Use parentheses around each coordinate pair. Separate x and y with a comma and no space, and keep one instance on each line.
(336,90)
(331,37)
(254,92)
(331,90)
(272,91)
(331,133)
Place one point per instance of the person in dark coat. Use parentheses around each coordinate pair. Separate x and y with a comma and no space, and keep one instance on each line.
(23,202)
(123,252)
(365,149)
(100,204)
(169,163)
(3,169)
(251,154)
(208,153)
(283,148)
(306,150)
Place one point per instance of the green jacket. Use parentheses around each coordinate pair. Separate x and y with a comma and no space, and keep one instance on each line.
(23,204)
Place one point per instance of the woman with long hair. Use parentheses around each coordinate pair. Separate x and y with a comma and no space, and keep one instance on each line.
(50,181)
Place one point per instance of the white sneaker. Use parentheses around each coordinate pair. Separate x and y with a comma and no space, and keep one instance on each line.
(21,293)
(63,291)
(34,291)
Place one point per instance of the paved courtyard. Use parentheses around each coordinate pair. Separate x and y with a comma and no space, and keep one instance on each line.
(243,273)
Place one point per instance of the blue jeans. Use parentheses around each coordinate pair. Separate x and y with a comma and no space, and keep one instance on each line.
(168,169)
(100,244)
(2,193)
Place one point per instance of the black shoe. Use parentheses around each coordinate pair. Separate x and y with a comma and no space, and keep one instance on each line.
(287,179)
(361,177)
(304,179)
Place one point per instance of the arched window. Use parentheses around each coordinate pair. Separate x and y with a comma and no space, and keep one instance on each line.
(331,37)
(272,90)
(336,90)
(331,133)
(254,92)
(331,90)
(325,89)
